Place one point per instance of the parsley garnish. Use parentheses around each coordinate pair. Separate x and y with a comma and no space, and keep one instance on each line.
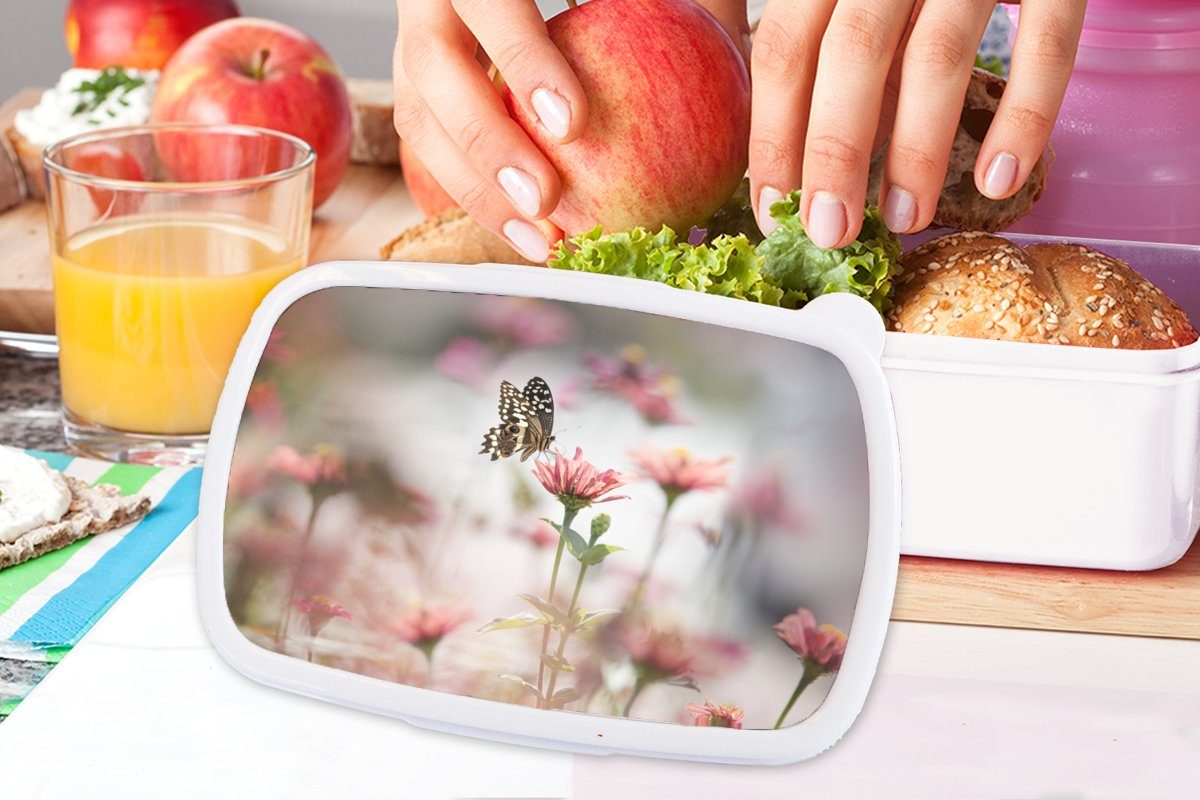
(94,92)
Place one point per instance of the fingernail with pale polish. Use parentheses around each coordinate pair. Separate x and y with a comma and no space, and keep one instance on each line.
(521,189)
(1000,176)
(553,111)
(826,220)
(527,239)
(767,196)
(899,210)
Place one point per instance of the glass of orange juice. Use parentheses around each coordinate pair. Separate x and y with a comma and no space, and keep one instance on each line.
(164,238)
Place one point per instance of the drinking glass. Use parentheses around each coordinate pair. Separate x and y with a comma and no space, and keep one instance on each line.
(163,239)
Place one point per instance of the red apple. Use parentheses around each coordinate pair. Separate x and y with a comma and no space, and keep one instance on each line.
(259,72)
(137,33)
(429,195)
(668,115)
(108,160)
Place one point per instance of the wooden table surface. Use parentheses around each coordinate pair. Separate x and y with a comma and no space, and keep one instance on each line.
(371,207)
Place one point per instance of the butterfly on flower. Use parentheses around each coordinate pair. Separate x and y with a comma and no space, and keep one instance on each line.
(526,421)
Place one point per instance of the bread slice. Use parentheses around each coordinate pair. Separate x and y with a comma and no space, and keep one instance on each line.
(93,510)
(374,135)
(30,157)
(960,204)
(12,176)
(982,286)
(451,238)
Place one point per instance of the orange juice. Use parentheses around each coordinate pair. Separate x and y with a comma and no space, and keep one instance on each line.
(150,310)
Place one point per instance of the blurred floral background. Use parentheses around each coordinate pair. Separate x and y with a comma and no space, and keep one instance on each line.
(689,548)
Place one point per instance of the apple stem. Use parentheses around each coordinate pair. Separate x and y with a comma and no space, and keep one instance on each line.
(572,3)
(259,70)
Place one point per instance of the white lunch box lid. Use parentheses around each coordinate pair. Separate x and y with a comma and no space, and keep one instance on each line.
(350,371)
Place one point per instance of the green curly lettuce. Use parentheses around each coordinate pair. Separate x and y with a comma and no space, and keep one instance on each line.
(992,64)
(864,267)
(728,265)
(786,269)
(635,253)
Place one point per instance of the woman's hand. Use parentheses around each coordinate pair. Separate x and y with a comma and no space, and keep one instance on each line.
(823,72)
(450,114)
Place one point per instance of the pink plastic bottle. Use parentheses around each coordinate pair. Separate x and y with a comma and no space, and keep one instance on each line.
(1127,142)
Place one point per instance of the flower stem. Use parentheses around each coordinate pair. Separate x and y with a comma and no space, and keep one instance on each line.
(810,675)
(568,518)
(637,690)
(427,649)
(285,617)
(566,631)
(639,590)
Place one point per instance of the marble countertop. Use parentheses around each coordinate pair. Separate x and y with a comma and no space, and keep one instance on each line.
(29,403)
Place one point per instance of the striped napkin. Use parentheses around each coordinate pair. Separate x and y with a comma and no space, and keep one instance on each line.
(48,603)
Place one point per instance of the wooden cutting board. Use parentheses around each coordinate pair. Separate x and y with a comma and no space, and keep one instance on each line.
(1165,602)
(368,210)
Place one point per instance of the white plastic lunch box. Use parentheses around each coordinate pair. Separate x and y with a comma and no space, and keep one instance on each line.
(356,543)
(1064,456)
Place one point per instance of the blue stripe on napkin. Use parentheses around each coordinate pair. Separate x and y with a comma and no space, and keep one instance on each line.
(67,615)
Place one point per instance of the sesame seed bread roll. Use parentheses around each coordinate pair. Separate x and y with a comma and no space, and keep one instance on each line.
(982,286)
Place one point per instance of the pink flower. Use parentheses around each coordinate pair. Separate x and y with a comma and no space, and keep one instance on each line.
(576,483)
(277,349)
(539,534)
(265,548)
(466,360)
(820,646)
(657,409)
(380,494)
(524,322)
(320,611)
(657,655)
(717,655)
(677,471)
(264,404)
(246,479)
(764,499)
(324,465)
(425,626)
(711,715)
(650,389)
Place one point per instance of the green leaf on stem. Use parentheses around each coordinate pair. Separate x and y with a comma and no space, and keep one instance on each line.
(583,619)
(683,680)
(576,544)
(556,616)
(525,683)
(523,620)
(600,525)
(564,696)
(598,552)
(557,663)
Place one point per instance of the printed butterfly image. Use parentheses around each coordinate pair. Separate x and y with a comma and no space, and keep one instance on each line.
(526,421)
